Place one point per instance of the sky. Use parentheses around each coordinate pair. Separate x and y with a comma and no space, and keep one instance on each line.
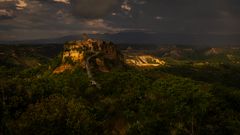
(40,19)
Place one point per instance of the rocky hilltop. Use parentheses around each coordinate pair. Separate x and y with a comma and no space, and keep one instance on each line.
(213,51)
(88,53)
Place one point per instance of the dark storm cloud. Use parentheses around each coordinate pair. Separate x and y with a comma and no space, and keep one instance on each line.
(185,9)
(7,10)
(92,8)
(2,17)
(6,28)
(43,18)
(48,19)
(187,15)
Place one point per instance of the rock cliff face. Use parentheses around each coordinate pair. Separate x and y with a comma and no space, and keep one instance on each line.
(144,61)
(97,53)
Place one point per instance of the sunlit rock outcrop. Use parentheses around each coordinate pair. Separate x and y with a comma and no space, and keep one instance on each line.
(144,61)
(213,51)
(104,55)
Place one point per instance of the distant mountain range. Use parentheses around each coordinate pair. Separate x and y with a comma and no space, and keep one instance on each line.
(144,38)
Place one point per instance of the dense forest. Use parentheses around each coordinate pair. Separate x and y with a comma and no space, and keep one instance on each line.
(176,100)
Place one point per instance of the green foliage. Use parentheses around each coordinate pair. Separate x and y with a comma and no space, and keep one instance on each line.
(130,101)
(56,61)
(55,115)
(120,82)
(223,74)
(186,102)
(69,60)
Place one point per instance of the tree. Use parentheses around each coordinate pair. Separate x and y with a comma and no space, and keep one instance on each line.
(186,102)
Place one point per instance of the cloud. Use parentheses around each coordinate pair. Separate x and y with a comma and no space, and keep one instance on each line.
(158,18)
(101,25)
(96,23)
(21,4)
(92,8)
(47,18)
(126,6)
(6,14)
(17,4)
(7,0)
(140,2)
(62,1)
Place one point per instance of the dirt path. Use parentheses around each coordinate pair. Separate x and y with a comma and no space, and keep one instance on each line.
(89,72)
